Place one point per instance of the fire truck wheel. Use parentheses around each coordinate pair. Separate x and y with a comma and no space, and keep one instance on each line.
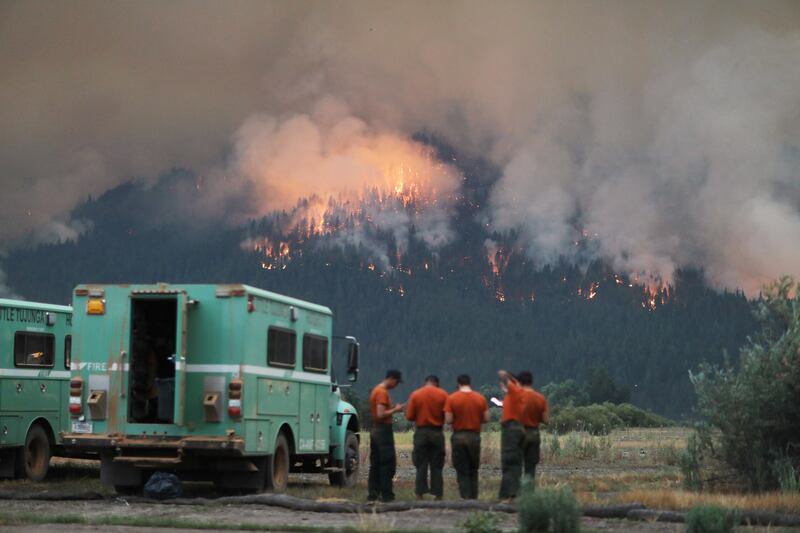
(33,459)
(278,466)
(349,477)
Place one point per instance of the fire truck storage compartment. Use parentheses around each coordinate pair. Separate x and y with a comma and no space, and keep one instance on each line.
(152,363)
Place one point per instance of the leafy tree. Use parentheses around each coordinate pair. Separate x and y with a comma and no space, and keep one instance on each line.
(754,408)
(568,393)
(601,388)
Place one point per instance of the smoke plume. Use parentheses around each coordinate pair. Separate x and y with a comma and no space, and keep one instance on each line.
(666,135)
(5,290)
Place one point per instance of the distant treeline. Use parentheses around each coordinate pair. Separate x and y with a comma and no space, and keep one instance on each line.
(447,319)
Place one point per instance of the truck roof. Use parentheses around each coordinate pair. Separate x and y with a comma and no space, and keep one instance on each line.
(287,300)
(36,305)
(255,291)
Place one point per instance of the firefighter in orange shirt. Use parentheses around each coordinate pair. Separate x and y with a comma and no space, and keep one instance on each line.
(426,410)
(512,436)
(466,410)
(382,459)
(534,413)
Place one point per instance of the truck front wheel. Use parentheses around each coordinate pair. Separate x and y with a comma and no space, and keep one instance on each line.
(33,460)
(277,477)
(348,477)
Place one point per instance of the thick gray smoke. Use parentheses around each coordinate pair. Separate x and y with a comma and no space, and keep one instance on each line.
(714,182)
(5,290)
(668,133)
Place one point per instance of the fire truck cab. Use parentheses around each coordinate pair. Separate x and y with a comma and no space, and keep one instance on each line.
(34,375)
(226,383)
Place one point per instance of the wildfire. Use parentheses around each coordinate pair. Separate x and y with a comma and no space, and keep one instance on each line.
(497,257)
(500,294)
(592,290)
(273,256)
(654,296)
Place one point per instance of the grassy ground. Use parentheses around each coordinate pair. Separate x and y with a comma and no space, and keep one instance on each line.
(634,465)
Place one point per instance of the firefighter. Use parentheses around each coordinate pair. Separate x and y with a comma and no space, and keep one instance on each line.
(512,436)
(426,410)
(382,460)
(534,413)
(466,410)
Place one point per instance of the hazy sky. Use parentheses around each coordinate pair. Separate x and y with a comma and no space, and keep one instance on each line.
(670,129)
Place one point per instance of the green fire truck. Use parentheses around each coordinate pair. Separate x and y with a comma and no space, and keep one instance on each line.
(34,381)
(225,383)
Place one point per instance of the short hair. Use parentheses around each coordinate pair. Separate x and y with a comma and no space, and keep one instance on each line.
(433,378)
(525,377)
(394,374)
(464,379)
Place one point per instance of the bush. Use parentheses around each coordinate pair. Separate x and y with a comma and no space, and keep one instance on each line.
(752,410)
(547,510)
(596,419)
(711,519)
(788,476)
(568,393)
(482,522)
(554,445)
(633,416)
(600,419)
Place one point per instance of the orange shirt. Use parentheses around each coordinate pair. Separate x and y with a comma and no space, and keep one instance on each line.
(467,408)
(379,396)
(426,406)
(534,408)
(512,403)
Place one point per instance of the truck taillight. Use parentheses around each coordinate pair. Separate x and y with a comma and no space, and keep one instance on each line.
(235,398)
(76,396)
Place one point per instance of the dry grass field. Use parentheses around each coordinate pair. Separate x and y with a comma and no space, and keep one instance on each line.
(631,465)
(634,465)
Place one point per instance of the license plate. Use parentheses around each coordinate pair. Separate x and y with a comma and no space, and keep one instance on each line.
(81,427)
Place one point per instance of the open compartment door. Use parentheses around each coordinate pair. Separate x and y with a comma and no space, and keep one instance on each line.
(180,359)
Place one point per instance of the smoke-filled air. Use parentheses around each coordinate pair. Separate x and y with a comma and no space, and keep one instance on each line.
(670,140)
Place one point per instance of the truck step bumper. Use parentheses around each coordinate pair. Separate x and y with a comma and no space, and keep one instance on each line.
(152,447)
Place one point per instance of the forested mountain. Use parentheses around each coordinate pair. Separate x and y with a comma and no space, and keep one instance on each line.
(473,304)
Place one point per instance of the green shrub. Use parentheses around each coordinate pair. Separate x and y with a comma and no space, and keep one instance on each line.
(568,393)
(555,444)
(596,419)
(482,522)
(636,417)
(711,519)
(548,510)
(788,476)
(751,410)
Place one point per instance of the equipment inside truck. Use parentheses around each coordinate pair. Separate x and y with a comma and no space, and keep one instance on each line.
(152,363)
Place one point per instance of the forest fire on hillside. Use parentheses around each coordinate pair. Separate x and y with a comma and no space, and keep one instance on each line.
(379,222)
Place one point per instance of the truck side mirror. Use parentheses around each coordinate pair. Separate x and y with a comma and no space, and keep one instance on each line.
(352,362)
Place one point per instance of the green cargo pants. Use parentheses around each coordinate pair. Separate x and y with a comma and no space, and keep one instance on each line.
(530,451)
(429,453)
(382,463)
(512,438)
(466,449)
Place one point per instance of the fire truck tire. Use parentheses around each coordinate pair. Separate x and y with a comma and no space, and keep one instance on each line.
(277,474)
(349,477)
(33,460)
